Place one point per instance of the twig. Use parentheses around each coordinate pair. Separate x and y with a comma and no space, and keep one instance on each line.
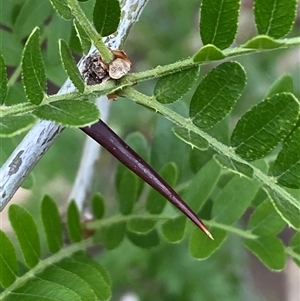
(39,139)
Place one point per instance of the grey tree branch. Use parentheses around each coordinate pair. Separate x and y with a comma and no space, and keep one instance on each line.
(39,139)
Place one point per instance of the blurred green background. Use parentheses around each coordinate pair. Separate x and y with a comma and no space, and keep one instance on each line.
(167,31)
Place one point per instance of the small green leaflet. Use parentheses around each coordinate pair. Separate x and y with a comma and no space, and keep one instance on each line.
(52,224)
(202,184)
(219,22)
(217,93)
(62,8)
(70,66)
(263,42)
(174,229)
(191,138)
(73,113)
(286,168)
(3,80)
(26,231)
(201,246)
(36,10)
(98,206)
(33,70)
(141,225)
(234,166)
(274,18)
(73,223)
(128,191)
(106,16)
(14,125)
(208,53)
(265,221)
(269,250)
(155,202)
(233,200)
(172,87)
(84,39)
(148,240)
(8,261)
(265,125)
(287,207)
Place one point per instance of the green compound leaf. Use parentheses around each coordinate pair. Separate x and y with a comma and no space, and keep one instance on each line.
(233,200)
(3,80)
(72,113)
(52,224)
(98,206)
(84,39)
(283,84)
(73,223)
(155,202)
(15,125)
(26,231)
(141,225)
(295,246)
(265,125)
(217,93)
(174,229)
(172,87)
(145,241)
(269,250)
(106,16)
(287,207)
(219,22)
(265,221)
(262,42)
(237,167)
(70,65)
(191,138)
(286,168)
(274,18)
(111,235)
(33,70)
(62,9)
(208,53)
(202,247)
(8,261)
(128,191)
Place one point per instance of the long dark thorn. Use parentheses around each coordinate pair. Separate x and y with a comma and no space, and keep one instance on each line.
(101,133)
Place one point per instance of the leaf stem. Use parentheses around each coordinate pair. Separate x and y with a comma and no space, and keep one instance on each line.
(221,148)
(78,13)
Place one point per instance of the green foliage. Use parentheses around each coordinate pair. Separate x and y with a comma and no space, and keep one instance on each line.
(106,16)
(219,22)
(211,164)
(73,113)
(172,87)
(70,66)
(68,274)
(216,94)
(262,128)
(33,70)
(3,80)
(273,18)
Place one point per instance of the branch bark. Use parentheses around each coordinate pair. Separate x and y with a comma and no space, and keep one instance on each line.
(40,138)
